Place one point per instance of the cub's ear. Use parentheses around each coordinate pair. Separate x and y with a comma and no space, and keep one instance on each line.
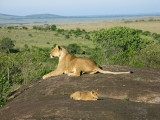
(93,91)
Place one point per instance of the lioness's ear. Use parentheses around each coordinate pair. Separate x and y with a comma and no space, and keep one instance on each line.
(56,46)
(59,47)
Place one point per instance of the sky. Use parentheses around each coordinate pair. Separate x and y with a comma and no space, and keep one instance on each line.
(79,7)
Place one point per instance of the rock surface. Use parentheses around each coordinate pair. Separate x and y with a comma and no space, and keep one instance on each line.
(121,97)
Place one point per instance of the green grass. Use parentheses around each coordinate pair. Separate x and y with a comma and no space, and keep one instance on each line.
(41,38)
(138,79)
(126,99)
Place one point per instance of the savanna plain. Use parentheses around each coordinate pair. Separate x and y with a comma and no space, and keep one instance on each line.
(24,55)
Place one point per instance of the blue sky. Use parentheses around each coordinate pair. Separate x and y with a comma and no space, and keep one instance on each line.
(79,7)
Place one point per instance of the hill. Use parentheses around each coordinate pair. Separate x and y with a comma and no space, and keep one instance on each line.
(121,97)
(43,16)
(36,16)
(8,17)
(51,18)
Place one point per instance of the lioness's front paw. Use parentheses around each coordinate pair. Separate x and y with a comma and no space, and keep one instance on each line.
(44,77)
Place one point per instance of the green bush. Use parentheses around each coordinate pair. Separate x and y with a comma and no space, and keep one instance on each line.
(67,36)
(74,49)
(118,44)
(148,57)
(156,36)
(87,37)
(76,32)
(139,31)
(10,27)
(23,67)
(6,44)
(35,27)
(60,30)
(25,28)
(53,27)
(38,28)
(146,33)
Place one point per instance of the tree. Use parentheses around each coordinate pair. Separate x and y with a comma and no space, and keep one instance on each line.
(6,44)
(53,27)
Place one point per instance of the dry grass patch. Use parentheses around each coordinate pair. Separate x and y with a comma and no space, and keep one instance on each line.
(150,24)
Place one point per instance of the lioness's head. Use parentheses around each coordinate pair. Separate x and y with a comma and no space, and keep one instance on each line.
(56,52)
(94,93)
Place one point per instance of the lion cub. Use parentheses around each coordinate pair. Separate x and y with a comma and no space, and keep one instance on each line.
(81,95)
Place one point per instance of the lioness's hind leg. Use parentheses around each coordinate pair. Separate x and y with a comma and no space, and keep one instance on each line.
(75,73)
(70,70)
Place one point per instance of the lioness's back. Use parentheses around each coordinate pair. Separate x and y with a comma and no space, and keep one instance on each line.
(85,64)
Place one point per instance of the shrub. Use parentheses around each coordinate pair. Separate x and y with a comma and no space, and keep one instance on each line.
(35,27)
(78,32)
(6,44)
(118,44)
(74,48)
(146,33)
(84,31)
(67,36)
(53,27)
(10,27)
(38,28)
(25,28)
(148,57)
(23,67)
(156,36)
(139,31)
(87,36)
(60,30)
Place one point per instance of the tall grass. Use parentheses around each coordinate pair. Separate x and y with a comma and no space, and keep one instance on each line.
(23,68)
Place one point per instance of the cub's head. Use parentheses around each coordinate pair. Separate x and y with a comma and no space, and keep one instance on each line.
(56,52)
(94,93)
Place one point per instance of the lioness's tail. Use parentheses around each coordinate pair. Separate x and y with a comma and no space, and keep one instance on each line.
(109,72)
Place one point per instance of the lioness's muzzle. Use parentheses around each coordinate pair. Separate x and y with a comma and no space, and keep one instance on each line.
(51,56)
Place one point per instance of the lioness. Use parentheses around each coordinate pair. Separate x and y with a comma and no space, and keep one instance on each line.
(74,66)
(81,95)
